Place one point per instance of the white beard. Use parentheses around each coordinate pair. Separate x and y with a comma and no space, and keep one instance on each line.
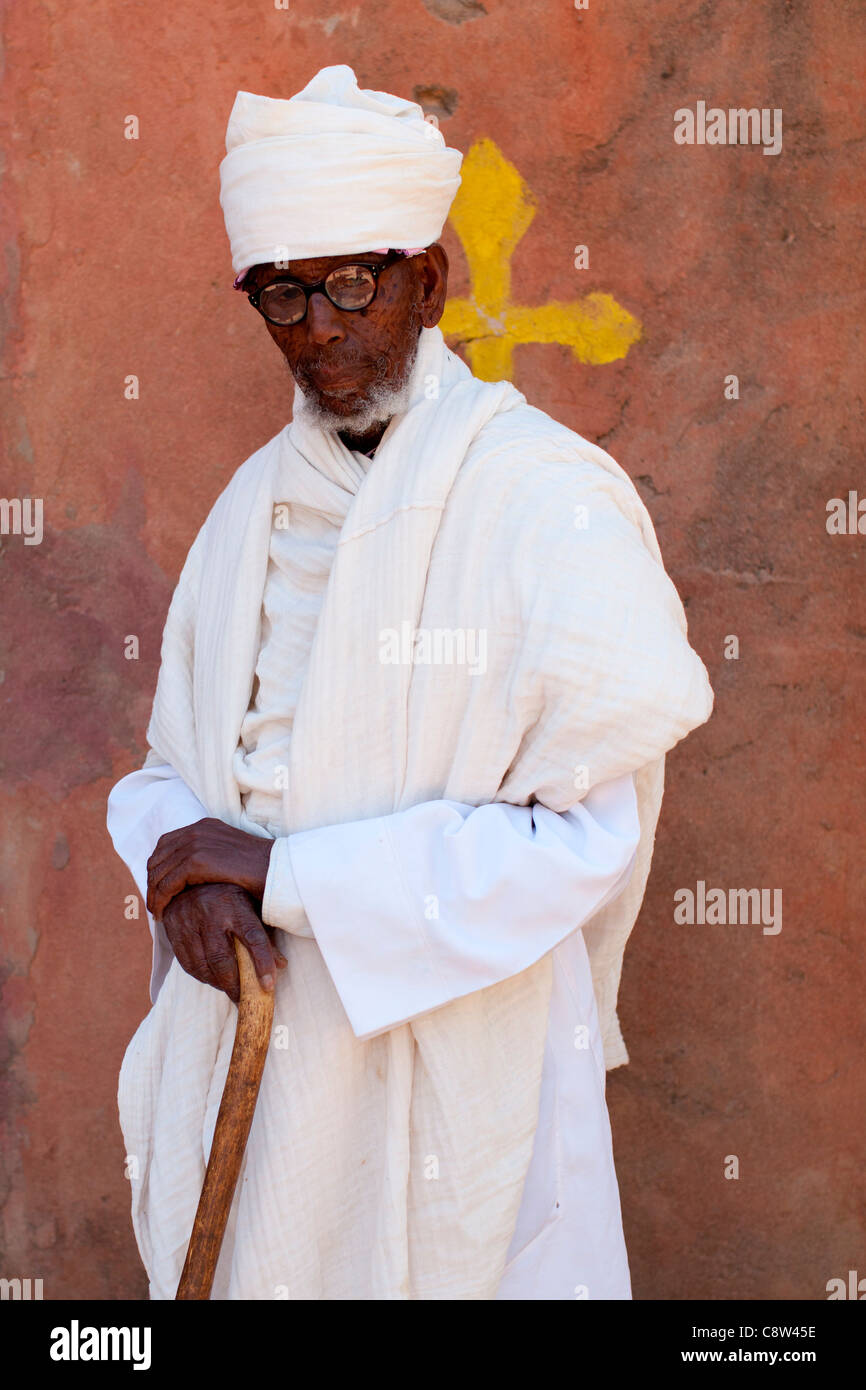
(382,401)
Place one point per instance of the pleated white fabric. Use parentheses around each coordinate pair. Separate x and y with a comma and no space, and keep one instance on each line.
(466,519)
(301,552)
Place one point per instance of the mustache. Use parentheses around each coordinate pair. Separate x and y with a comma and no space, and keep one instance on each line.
(316,362)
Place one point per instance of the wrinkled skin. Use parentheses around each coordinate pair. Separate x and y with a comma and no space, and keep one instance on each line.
(206,881)
(207,852)
(373,343)
(200,924)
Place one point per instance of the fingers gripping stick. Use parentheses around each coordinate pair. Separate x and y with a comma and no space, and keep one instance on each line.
(252,1036)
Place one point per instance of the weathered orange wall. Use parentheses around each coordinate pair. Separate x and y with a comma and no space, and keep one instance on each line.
(732,262)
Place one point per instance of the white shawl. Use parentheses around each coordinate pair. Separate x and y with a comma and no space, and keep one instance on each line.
(478,512)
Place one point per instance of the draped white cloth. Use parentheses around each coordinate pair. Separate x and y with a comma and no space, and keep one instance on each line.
(529,878)
(299,561)
(467,518)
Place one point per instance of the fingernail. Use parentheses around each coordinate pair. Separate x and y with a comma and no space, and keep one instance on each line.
(267,982)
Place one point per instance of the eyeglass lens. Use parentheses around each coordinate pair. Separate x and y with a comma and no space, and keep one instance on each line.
(348,287)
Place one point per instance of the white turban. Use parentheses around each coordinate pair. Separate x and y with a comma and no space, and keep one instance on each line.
(334,169)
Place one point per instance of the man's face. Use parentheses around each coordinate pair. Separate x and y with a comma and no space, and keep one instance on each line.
(344,358)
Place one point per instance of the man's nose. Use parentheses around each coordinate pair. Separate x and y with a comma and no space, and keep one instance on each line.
(324,323)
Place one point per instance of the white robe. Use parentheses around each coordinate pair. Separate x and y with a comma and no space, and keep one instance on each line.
(568,1239)
(513,878)
(323,1206)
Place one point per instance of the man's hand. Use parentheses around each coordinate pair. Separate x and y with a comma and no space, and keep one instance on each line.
(208,852)
(200,924)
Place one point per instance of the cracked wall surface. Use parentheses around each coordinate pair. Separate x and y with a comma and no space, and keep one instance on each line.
(732,262)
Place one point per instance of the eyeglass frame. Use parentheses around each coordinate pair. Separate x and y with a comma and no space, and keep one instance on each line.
(320,286)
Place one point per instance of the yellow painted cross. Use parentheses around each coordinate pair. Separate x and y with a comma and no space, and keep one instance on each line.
(491,212)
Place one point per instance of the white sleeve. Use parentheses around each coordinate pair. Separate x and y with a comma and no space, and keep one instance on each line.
(417,908)
(141,807)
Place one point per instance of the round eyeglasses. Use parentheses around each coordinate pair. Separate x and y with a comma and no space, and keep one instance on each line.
(350,287)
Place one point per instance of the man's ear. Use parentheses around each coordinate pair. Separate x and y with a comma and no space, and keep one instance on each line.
(433,276)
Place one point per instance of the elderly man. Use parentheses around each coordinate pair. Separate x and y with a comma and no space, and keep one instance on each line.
(418,679)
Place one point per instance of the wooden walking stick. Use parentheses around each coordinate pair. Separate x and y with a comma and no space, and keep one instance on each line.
(252,1036)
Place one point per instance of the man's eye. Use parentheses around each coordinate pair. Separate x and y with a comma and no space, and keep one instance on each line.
(352,275)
